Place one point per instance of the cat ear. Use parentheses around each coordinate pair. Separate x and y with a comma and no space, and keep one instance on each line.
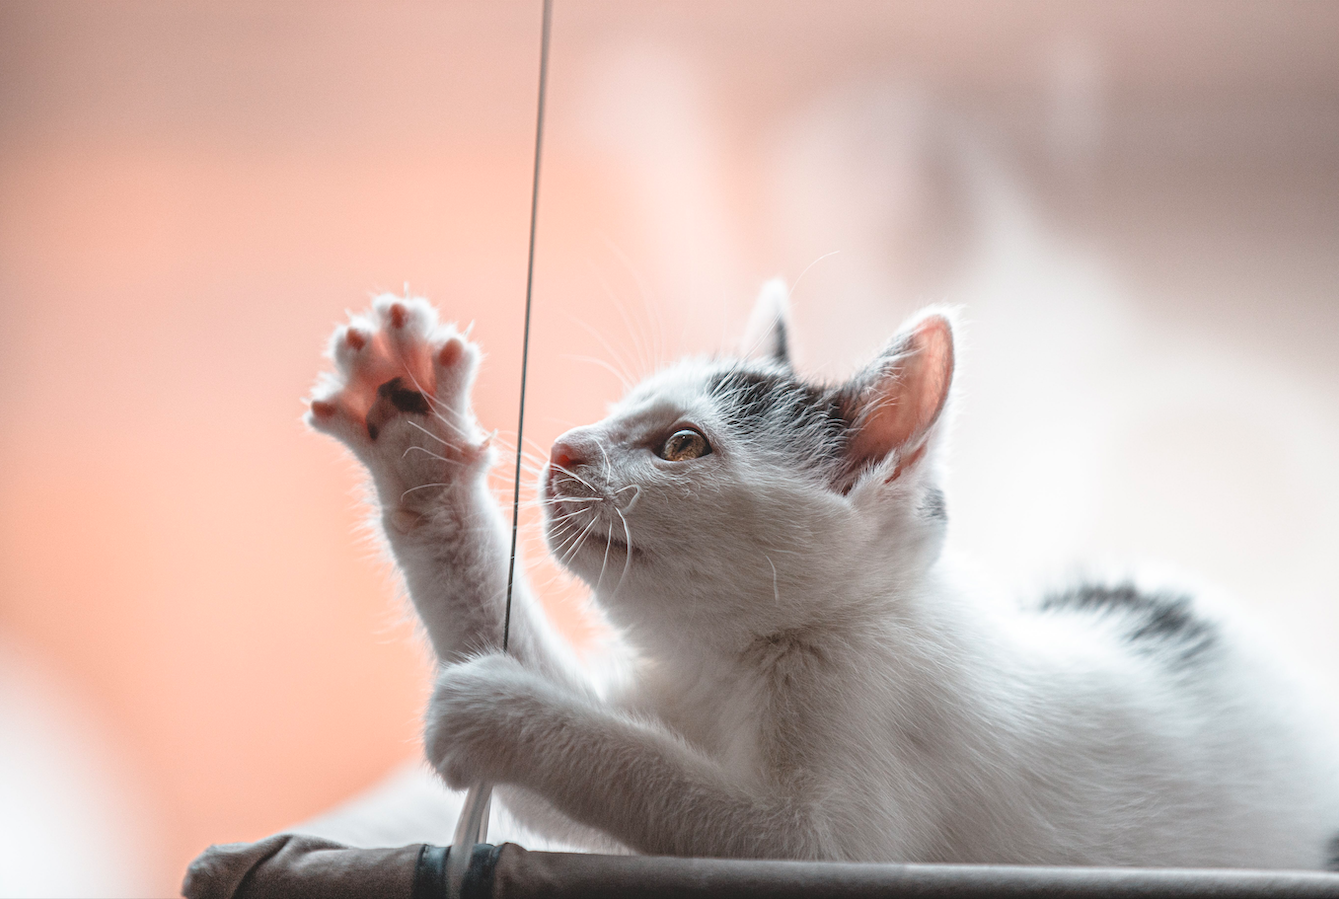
(895,403)
(766,336)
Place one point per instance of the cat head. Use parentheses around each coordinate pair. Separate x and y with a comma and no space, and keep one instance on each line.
(727,498)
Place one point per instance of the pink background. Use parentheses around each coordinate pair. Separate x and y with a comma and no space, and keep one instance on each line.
(1136,206)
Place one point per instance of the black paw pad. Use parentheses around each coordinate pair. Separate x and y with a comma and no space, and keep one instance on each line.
(394,393)
(403,398)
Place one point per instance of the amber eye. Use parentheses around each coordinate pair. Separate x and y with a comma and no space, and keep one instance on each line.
(684,445)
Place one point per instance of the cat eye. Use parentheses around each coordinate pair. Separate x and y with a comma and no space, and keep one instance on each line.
(683,445)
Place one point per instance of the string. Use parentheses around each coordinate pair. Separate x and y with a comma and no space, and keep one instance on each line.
(529,292)
(473,822)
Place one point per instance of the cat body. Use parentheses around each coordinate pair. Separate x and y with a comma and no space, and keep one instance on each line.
(803,673)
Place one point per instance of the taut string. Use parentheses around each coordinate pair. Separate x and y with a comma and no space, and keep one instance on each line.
(529,291)
(473,823)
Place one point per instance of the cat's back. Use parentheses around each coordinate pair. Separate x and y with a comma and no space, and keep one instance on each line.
(1179,712)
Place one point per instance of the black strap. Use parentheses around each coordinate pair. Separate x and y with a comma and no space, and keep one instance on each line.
(430,872)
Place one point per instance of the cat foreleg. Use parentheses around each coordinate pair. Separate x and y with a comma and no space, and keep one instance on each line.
(400,400)
(492,719)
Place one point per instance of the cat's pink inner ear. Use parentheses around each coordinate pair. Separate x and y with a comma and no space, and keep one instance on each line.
(906,399)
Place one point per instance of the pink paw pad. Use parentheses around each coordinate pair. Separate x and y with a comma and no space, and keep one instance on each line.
(388,364)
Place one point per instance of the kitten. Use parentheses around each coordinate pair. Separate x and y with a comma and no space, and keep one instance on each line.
(803,675)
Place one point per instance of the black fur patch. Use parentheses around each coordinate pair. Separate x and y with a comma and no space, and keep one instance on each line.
(780,343)
(1332,854)
(403,398)
(771,405)
(1157,623)
(933,506)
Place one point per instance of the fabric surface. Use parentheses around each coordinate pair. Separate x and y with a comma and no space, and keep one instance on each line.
(293,866)
(301,867)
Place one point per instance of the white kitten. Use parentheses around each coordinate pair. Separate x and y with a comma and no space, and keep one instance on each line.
(803,677)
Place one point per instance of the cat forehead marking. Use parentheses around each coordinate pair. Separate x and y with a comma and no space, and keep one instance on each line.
(759,402)
(680,390)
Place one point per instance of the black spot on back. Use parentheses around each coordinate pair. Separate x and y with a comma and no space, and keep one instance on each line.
(933,505)
(1157,623)
(1332,854)
(403,398)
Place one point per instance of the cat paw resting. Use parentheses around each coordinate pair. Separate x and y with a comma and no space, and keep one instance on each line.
(802,672)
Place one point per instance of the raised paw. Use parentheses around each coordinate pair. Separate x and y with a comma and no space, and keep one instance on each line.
(399,398)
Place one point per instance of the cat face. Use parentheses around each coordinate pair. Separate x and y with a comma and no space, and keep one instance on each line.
(727,495)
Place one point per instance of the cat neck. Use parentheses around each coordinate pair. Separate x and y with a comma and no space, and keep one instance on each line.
(885,644)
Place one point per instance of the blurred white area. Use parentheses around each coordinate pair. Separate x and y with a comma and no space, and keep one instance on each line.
(72,822)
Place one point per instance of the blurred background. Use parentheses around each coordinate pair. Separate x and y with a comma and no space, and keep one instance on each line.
(1135,206)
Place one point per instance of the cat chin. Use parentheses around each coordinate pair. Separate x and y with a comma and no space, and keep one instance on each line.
(599,560)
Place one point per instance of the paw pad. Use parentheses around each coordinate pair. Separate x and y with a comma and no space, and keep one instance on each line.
(396,363)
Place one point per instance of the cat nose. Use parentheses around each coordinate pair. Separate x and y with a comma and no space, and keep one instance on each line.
(567,454)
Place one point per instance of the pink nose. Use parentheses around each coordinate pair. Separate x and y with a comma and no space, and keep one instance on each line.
(565,456)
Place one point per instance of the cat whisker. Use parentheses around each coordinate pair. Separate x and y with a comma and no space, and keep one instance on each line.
(623,366)
(776,594)
(581,541)
(526,456)
(415,424)
(635,497)
(647,348)
(569,515)
(574,476)
(424,487)
(608,544)
(431,454)
(576,545)
(434,405)
(571,540)
(627,562)
(627,385)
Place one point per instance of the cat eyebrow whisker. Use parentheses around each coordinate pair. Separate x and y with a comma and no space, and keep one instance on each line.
(619,358)
(593,360)
(647,347)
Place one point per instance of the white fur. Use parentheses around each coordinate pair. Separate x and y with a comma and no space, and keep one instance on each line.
(802,674)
